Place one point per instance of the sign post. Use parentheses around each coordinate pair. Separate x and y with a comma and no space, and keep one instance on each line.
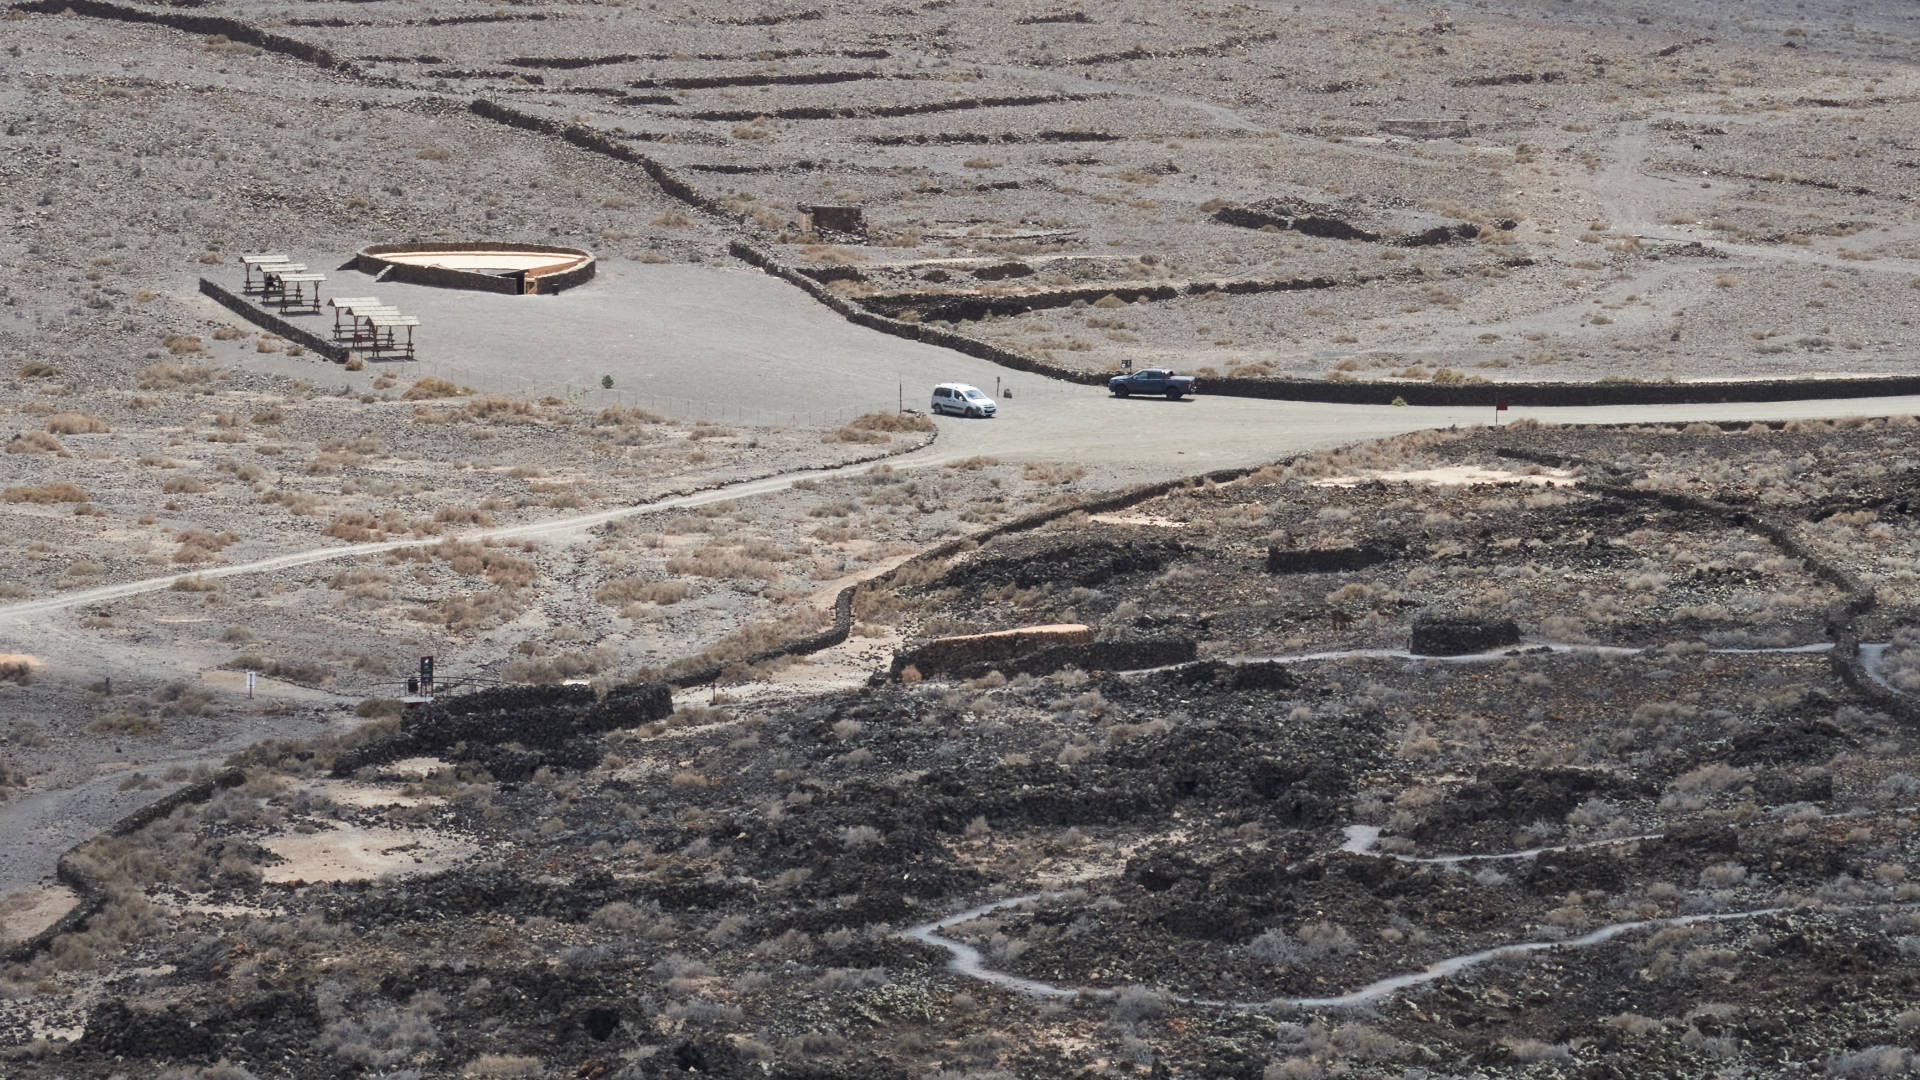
(426,675)
(249,686)
(1498,408)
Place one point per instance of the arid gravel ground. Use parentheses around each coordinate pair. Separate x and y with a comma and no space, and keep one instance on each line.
(1702,192)
(1197,852)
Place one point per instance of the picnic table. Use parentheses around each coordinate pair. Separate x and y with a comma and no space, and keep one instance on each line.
(389,324)
(253,263)
(345,306)
(372,326)
(290,289)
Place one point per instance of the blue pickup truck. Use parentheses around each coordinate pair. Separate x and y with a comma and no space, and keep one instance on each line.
(1156,381)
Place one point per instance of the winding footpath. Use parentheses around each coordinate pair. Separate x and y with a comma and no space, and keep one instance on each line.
(967,961)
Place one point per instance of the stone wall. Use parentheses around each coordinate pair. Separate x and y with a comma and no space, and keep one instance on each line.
(267,320)
(369,261)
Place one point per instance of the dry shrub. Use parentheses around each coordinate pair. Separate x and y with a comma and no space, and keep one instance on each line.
(635,590)
(182,485)
(36,369)
(724,562)
(503,1065)
(851,434)
(429,388)
(475,560)
(756,637)
(886,421)
(57,492)
(473,611)
(225,331)
(123,723)
(198,545)
(462,515)
(621,416)
(293,671)
(570,664)
(35,442)
(874,427)
(355,528)
(1041,473)
(14,673)
(164,375)
(193,583)
(501,410)
(76,423)
(183,344)
(296,502)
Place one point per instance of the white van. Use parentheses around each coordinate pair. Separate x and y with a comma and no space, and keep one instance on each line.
(962,400)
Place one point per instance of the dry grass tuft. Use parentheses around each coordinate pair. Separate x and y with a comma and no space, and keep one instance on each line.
(621,415)
(123,723)
(76,423)
(875,427)
(355,528)
(183,344)
(57,492)
(622,591)
(198,545)
(182,485)
(165,375)
(35,442)
(429,388)
(36,369)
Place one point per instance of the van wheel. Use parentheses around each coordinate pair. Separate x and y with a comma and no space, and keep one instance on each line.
(973,414)
(1173,395)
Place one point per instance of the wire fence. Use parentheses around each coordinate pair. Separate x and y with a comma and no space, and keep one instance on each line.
(1008,391)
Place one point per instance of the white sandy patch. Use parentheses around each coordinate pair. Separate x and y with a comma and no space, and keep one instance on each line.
(1045,630)
(415,767)
(1146,520)
(28,659)
(354,853)
(33,909)
(485,260)
(1453,475)
(369,796)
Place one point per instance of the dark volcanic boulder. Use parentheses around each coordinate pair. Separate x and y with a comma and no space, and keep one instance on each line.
(1328,560)
(113,1028)
(1439,635)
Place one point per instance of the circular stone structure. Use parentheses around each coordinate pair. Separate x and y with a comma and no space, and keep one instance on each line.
(485,267)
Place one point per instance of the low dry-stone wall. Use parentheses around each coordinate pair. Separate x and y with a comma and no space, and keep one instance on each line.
(1357,392)
(1039,650)
(373,262)
(949,654)
(1451,636)
(1843,619)
(270,322)
(92,896)
(1329,560)
(1124,655)
(537,717)
(209,25)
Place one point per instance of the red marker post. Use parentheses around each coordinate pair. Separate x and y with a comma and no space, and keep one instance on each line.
(1498,408)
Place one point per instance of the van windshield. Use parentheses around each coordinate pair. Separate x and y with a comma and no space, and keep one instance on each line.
(975,395)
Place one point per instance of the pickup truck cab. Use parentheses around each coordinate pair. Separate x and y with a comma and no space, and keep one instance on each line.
(1158,381)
